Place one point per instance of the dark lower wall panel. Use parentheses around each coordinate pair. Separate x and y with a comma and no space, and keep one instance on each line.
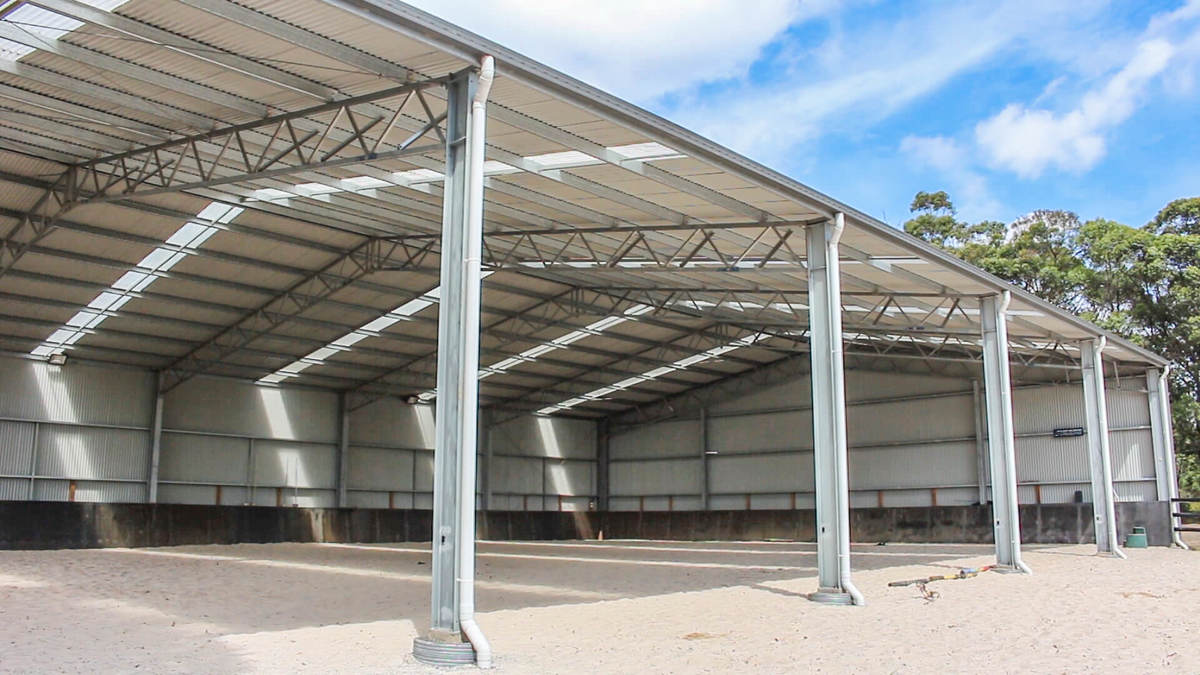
(34,525)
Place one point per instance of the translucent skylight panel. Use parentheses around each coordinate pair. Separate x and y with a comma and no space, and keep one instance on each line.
(322,354)
(186,234)
(412,307)
(493,168)
(189,236)
(269,194)
(44,24)
(315,188)
(379,324)
(418,176)
(646,151)
(364,183)
(555,160)
(12,51)
(628,382)
(349,339)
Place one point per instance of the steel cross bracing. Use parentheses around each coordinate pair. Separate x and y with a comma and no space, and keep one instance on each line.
(297,141)
(368,257)
(525,326)
(234,154)
(641,241)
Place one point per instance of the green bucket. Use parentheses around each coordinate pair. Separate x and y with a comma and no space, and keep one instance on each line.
(1136,539)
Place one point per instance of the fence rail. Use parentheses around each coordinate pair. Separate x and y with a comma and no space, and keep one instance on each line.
(1181,514)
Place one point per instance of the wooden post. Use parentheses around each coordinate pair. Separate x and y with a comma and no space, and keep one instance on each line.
(879,498)
(278,496)
(71,491)
(1037,493)
(218,496)
(391,499)
(747,501)
(933,496)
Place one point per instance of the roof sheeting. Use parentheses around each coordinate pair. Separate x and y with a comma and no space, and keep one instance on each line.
(592,207)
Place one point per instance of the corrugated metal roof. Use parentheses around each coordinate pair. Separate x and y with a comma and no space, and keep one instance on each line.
(578,228)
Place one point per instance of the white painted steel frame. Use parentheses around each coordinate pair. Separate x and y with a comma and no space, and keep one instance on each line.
(830,477)
(1001,439)
(1163,438)
(1104,518)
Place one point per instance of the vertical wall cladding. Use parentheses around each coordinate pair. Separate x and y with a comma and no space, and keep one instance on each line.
(391,455)
(1058,467)
(911,443)
(906,435)
(651,466)
(261,445)
(16,448)
(75,423)
(75,393)
(542,463)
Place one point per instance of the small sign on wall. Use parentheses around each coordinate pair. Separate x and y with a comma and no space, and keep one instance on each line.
(1068,432)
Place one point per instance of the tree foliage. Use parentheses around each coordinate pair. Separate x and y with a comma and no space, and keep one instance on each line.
(1140,282)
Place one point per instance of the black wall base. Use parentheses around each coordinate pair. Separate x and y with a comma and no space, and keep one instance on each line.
(42,525)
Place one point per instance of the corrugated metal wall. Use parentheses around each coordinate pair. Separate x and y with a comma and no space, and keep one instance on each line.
(912,442)
(263,446)
(391,456)
(82,432)
(74,425)
(542,464)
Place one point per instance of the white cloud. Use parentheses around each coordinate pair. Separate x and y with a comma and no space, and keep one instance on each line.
(939,152)
(638,49)
(1028,141)
(968,188)
(848,82)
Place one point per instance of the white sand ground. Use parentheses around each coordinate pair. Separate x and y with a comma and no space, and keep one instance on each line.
(595,607)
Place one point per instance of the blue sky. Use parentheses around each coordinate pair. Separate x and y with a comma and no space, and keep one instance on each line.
(1084,105)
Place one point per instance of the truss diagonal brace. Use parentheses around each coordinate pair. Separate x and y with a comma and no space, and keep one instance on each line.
(370,256)
(38,221)
(300,140)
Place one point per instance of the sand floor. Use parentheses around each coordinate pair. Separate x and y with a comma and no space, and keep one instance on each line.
(595,607)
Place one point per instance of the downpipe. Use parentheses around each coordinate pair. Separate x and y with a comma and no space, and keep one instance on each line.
(833,263)
(1014,517)
(1110,516)
(1164,394)
(472,287)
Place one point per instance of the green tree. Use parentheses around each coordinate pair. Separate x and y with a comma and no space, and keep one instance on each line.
(1141,283)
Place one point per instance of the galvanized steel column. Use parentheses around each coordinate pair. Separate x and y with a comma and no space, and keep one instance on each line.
(156,426)
(1160,431)
(981,453)
(1157,385)
(602,466)
(1099,460)
(705,482)
(829,416)
(456,387)
(343,450)
(1006,523)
